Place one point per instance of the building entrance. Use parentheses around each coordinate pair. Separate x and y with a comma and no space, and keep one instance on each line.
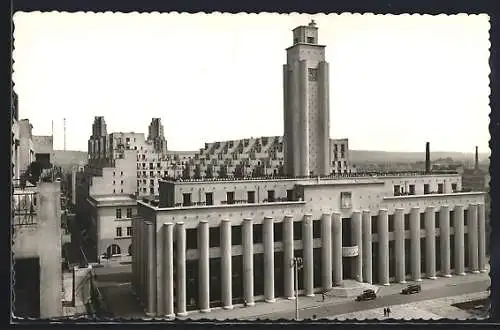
(347,268)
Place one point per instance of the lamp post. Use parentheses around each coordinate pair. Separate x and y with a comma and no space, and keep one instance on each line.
(297,263)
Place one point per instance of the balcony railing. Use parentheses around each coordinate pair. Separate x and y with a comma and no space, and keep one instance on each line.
(24,208)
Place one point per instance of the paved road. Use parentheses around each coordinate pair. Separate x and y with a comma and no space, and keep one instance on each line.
(388,300)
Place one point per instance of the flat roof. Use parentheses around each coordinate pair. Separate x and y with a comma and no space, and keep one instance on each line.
(220,206)
(375,176)
(405,197)
(111,200)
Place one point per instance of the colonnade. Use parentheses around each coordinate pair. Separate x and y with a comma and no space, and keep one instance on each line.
(145,261)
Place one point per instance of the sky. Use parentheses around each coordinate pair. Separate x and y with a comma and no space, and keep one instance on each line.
(395,81)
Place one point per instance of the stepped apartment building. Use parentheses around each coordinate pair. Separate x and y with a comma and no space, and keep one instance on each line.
(218,242)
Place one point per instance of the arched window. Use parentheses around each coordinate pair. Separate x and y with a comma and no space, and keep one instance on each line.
(130,250)
(112,250)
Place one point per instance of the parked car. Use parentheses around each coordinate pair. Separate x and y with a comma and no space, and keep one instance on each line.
(412,288)
(366,295)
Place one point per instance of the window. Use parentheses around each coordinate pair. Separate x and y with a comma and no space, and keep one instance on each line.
(114,182)
(440,188)
(412,189)
(278,231)
(121,182)
(119,231)
(342,151)
(289,195)
(422,220)
(345,200)
(151,173)
(191,238)
(152,191)
(121,173)
(270,195)
(317,228)
(313,74)
(397,190)
(391,222)
(186,199)
(295,41)
(236,235)
(297,230)
(129,212)
(407,221)
(454,187)
(214,237)
(118,213)
(113,173)
(310,40)
(209,198)
(426,188)
(230,197)
(129,231)
(251,196)
(257,233)
(374,224)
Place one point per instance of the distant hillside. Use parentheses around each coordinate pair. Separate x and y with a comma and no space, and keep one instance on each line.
(67,158)
(368,156)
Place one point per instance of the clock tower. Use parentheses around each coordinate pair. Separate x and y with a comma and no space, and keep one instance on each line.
(306,105)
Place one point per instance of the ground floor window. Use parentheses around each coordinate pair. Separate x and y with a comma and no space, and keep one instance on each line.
(113,250)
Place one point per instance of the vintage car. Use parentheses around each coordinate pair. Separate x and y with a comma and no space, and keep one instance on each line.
(412,288)
(366,295)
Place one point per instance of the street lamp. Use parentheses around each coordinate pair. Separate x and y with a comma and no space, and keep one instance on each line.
(297,263)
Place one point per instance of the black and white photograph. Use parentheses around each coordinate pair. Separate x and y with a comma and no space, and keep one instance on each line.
(266,166)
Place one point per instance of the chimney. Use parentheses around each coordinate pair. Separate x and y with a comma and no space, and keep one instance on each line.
(427,158)
(476,164)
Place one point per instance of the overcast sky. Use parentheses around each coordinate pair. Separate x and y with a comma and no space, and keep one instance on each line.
(395,81)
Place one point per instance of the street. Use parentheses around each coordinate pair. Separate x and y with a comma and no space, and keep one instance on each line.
(328,310)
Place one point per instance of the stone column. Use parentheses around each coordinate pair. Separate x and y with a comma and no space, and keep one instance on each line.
(444,240)
(307,248)
(288,257)
(203,266)
(357,239)
(180,290)
(337,248)
(268,237)
(367,246)
(383,246)
(225,258)
(430,243)
(248,261)
(399,244)
(415,243)
(473,238)
(481,217)
(150,234)
(458,225)
(135,269)
(326,251)
(134,257)
(168,269)
(142,262)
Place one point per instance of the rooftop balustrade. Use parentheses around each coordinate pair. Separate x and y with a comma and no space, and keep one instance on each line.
(327,177)
(24,208)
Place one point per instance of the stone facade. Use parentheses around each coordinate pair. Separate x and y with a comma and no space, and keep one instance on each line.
(343,229)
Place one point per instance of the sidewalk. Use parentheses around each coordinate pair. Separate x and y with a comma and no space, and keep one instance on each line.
(428,310)
(281,305)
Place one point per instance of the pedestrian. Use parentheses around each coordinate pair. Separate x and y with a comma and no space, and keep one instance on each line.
(388,311)
(323,296)
(385,312)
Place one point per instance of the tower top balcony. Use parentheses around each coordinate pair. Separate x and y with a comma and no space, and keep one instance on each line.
(306,34)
